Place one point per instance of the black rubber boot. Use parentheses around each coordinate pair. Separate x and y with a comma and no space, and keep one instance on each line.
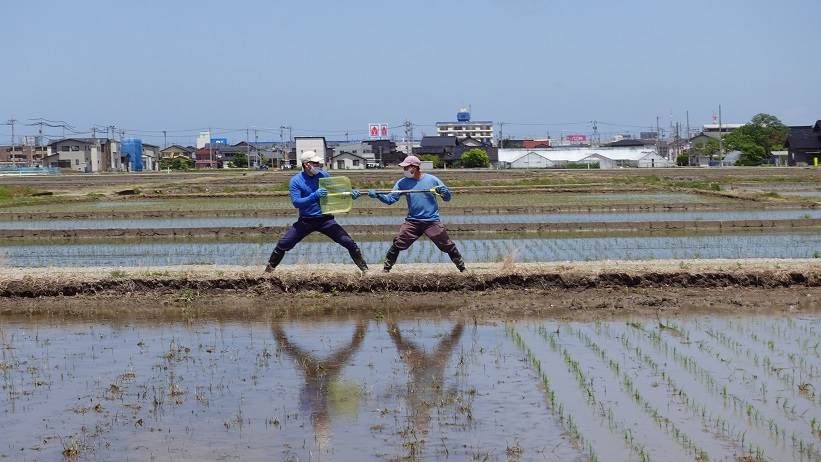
(276,257)
(456,258)
(356,256)
(390,259)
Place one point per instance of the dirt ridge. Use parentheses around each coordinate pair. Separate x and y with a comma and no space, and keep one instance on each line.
(338,282)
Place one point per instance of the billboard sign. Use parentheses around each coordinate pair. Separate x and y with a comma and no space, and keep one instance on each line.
(223,141)
(576,138)
(378,131)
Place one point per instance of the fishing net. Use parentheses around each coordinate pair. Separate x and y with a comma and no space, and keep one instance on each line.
(339,198)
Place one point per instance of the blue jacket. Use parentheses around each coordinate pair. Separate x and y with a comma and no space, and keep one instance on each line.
(421,206)
(303,193)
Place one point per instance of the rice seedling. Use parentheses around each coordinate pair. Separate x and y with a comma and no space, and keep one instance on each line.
(556,406)
(593,401)
(763,361)
(777,431)
(687,442)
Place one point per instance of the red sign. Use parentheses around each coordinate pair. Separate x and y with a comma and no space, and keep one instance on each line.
(383,130)
(576,138)
(373,130)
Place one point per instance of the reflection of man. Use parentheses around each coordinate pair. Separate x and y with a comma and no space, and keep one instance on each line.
(318,375)
(427,371)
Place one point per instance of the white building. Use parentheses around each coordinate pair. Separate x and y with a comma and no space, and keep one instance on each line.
(713,130)
(352,156)
(311,143)
(605,158)
(87,155)
(203,139)
(464,127)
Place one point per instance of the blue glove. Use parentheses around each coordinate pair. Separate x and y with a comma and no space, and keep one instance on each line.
(355,194)
(442,190)
(372,193)
(321,192)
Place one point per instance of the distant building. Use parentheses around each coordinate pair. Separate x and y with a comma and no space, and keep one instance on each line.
(387,152)
(627,143)
(712,130)
(804,145)
(352,156)
(175,150)
(592,157)
(88,155)
(526,143)
(203,139)
(450,148)
(22,154)
(311,143)
(464,127)
(151,157)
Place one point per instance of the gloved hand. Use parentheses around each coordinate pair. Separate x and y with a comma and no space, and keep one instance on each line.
(321,192)
(442,190)
(372,193)
(355,194)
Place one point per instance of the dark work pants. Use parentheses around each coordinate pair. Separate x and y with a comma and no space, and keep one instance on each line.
(324,224)
(412,230)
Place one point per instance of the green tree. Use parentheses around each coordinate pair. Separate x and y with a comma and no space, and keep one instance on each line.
(240,160)
(475,158)
(176,163)
(757,139)
(708,149)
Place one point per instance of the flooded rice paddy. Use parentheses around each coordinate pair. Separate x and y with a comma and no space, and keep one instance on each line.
(462,199)
(721,388)
(727,215)
(524,248)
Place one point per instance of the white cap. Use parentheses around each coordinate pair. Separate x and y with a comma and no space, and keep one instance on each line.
(311,156)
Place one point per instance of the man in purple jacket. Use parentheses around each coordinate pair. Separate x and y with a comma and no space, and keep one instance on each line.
(305,194)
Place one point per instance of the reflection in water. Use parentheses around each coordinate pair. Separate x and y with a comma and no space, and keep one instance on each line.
(318,375)
(427,371)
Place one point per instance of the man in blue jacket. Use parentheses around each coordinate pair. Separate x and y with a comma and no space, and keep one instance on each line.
(305,194)
(423,213)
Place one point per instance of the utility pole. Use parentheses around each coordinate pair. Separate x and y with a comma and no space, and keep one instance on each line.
(501,134)
(408,137)
(164,139)
(210,148)
(595,141)
(256,147)
(282,129)
(658,137)
(688,125)
(720,140)
(11,122)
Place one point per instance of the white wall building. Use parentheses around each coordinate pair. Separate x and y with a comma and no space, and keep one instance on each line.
(203,139)
(606,158)
(464,127)
(352,156)
(311,143)
(348,161)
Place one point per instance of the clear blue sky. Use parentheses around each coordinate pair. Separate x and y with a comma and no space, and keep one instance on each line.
(325,67)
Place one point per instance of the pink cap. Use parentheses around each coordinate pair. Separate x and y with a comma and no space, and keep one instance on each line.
(411,160)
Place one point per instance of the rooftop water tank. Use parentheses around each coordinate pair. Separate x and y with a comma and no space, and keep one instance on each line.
(133,148)
(463,115)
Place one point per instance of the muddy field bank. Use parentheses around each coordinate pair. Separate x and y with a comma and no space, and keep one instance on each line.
(487,288)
